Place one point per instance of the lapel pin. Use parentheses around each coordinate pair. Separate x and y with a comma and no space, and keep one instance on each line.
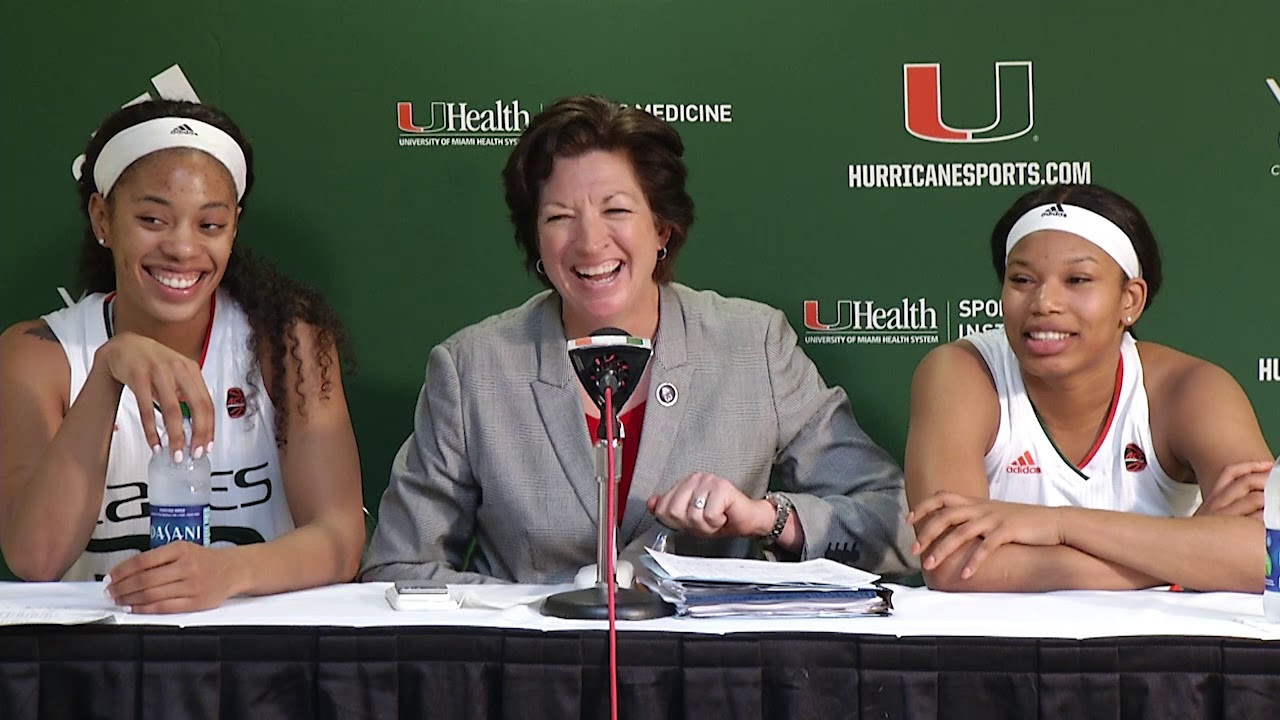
(667,394)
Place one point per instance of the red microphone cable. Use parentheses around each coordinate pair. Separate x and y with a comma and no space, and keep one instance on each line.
(610,576)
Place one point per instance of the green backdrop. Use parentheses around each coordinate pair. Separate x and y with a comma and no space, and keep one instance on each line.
(406,232)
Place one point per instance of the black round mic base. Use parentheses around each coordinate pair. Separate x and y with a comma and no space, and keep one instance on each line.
(593,604)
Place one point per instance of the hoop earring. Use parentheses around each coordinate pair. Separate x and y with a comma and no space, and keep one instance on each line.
(662,253)
(542,270)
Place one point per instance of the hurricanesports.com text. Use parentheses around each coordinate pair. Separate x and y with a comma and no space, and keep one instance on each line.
(956,175)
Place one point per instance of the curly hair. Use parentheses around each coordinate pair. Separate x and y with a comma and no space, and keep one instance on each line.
(273,302)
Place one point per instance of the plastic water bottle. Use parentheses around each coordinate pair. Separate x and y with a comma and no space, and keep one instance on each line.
(179,492)
(1271,518)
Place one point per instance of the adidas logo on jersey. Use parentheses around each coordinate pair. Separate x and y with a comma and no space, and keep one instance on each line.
(1024,465)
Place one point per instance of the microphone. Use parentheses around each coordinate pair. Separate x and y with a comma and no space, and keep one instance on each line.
(609,359)
(609,363)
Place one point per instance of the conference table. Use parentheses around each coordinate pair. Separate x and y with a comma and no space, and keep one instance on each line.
(343,652)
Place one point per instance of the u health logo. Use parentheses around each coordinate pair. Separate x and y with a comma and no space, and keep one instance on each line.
(456,123)
(1014,104)
(865,322)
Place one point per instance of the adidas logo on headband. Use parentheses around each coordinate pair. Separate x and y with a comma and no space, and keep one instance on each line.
(162,133)
(1084,223)
(1054,210)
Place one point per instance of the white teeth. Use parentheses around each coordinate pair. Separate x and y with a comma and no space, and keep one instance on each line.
(175,280)
(601,269)
(1049,335)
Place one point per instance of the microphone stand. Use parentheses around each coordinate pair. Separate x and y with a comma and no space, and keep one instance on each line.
(608,363)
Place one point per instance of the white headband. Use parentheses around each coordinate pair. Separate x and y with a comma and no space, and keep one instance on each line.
(1078,221)
(147,137)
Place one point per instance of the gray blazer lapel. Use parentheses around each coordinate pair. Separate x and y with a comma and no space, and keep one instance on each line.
(556,393)
(661,424)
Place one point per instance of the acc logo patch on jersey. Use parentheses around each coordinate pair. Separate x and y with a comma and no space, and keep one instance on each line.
(1135,460)
(235,403)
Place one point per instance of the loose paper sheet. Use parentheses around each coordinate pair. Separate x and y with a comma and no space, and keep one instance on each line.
(52,616)
(820,571)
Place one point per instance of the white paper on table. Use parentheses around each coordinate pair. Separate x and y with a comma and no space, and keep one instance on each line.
(820,571)
(1271,629)
(53,616)
(494,596)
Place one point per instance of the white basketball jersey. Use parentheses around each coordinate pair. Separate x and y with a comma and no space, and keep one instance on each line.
(1121,473)
(248,502)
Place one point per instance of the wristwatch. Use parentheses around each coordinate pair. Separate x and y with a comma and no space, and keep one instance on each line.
(784,506)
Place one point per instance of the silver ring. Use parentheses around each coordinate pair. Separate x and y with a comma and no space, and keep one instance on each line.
(700,502)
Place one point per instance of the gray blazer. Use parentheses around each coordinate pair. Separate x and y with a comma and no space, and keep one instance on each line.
(500,448)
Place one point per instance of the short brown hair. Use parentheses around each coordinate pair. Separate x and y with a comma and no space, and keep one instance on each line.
(576,125)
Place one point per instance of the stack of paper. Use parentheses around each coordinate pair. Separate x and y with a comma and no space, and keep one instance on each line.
(716,587)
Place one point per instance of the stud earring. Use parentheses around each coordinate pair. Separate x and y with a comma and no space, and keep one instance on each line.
(102,242)
(1128,320)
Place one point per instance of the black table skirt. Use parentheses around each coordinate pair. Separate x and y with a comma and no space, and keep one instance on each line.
(162,673)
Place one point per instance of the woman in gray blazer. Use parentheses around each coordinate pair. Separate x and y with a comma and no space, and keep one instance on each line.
(501,446)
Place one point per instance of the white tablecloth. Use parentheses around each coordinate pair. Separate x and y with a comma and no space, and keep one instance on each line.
(917,612)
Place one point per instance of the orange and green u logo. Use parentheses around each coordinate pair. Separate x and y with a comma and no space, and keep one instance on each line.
(922,104)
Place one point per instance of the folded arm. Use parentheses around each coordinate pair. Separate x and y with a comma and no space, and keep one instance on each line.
(954,419)
(969,542)
(980,544)
(1032,568)
(1213,432)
